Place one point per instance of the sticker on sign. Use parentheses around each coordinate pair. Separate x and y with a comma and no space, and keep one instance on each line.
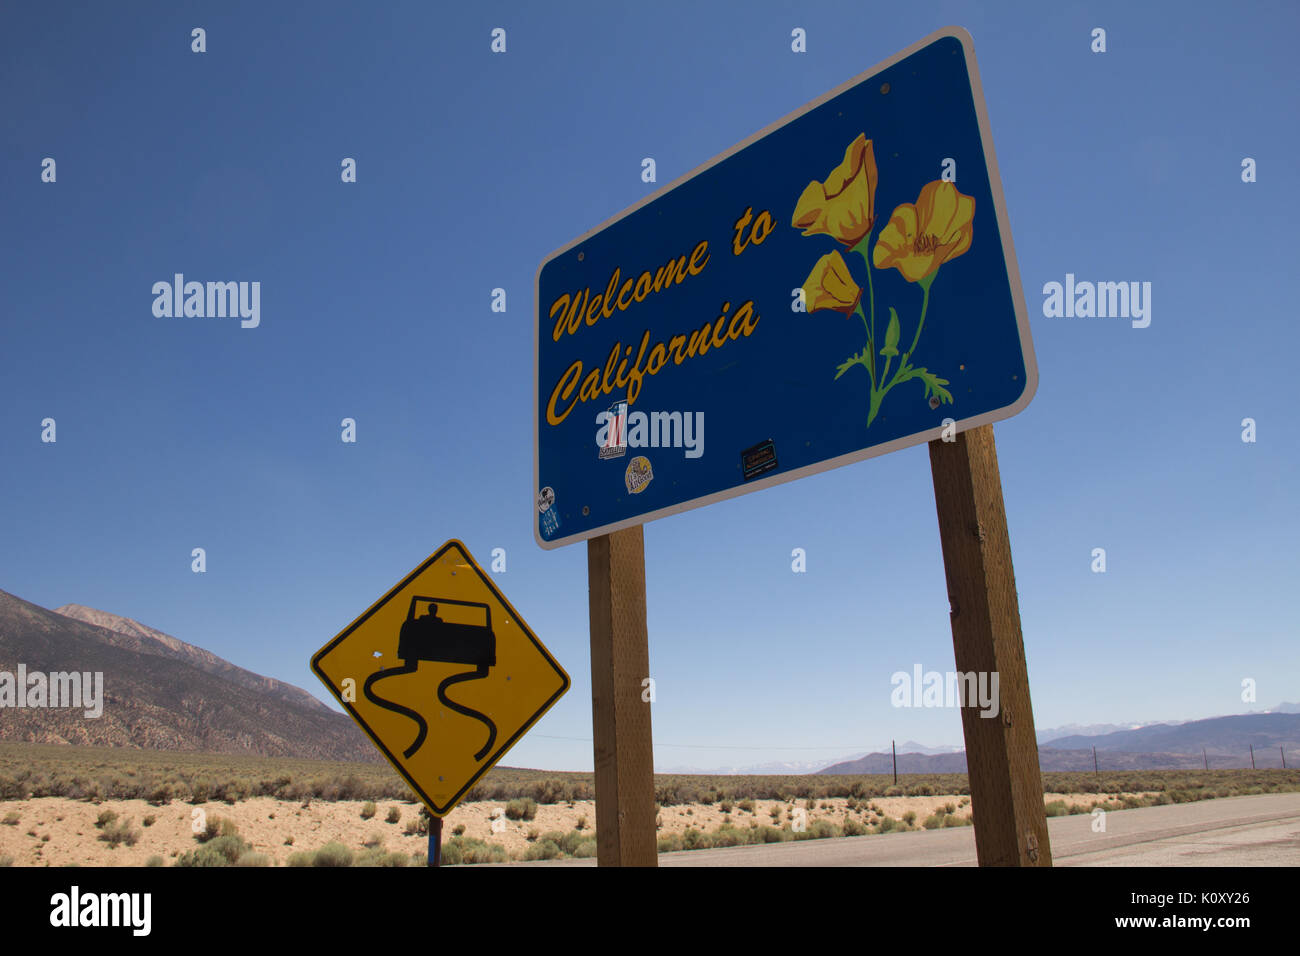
(836,287)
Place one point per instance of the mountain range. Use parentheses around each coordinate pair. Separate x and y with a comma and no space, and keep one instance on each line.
(160,693)
(1219,742)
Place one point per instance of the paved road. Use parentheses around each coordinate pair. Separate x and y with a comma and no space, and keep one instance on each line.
(1233,831)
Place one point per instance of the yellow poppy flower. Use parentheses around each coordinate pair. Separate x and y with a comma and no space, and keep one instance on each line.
(920,238)
(831,286)
(844,206)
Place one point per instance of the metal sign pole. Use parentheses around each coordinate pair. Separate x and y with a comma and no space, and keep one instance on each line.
(1006,787)
(435,841)
(620,661)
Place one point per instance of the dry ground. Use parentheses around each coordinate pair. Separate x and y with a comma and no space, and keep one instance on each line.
(56,831)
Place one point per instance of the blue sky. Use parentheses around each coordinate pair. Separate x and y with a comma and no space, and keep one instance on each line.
(472,168)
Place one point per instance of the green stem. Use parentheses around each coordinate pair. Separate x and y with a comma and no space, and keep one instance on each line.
(871,347)
(862,249)
(925,305)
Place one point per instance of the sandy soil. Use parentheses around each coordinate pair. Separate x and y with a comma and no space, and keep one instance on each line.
(55,831)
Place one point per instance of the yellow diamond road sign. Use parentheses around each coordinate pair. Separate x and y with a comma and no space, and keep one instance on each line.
(443,674)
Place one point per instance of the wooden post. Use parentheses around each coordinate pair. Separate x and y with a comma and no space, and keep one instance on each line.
(1006,788)
(893,749)
(620,661)
(1252,756)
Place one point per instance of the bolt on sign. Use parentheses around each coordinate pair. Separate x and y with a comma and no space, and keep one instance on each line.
(443,675)
(840,285)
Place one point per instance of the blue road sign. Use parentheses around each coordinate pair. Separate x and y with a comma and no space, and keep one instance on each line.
(840,285)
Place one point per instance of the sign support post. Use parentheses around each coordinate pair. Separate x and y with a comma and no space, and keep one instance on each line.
(620,661)
(435,841)
(1001,752)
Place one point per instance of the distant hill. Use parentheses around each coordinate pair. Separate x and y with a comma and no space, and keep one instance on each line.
(139,637)
(161,693)
(1226,740)
(1221,736)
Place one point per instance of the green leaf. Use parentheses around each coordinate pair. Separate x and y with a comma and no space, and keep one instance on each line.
(859,359)
(891,334)
(933,385)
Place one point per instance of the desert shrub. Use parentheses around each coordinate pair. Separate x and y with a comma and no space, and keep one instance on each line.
(368,810)
(853,827)
(1055,808)
(332,854)
(394,815)
(104,819)
(887,824)
(724,806)
(934,821)
(119,832)
(149,820)
(727,835)
(532,834)
(543,850)
(458,830)
(746,805)
(525,809)
(571,842)
(6,861)
(154,860)
(218,851)
(694,839)
(670,843)
(817,830)
(462,849)
(253,859)
(383,858)
(217,827)
(774,813)
(910,818)
(582,823)
(375,839)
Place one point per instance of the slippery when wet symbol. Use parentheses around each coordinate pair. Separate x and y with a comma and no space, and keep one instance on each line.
(429,638)
(443,675)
